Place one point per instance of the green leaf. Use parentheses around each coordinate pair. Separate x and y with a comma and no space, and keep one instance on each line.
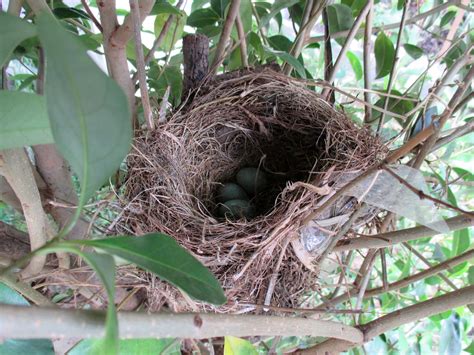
(470,348)
(458,50)
(256,43)
(470,275)
(464,174)
(286,57)
(70,12)
(202,17)
(24,120)
(175,30)
(21,346)
(164,7)
(219,6)
(395,105)
(447,17)
(88,111)
(12,32)
(280,43)
(170,76)
(461,241)
(339,19)
(162,255)
(355,64)
(275,9)
(238,346)
(167,346)
(384,55)
(413,51)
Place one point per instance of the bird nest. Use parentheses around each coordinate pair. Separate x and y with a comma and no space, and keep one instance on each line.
(265,120)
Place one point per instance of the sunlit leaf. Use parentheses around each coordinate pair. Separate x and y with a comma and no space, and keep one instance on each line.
(88,111)
(23,120)
(355,64)
(413,51)
(238,346)
(175,31)
(384,55)
(162,255)
(12,32)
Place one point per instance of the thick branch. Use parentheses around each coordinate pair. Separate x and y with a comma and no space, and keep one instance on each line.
(34,323)
(389,239)
(15,167)
(195,61)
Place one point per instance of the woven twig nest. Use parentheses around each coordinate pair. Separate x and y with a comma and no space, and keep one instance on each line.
(265,120)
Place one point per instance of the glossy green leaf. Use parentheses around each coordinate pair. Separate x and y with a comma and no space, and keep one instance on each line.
(280,43)
(88,111)
(464,174)
(169,76)
(339,19)
(238,346)
(162,255)
(355,64)
(202,17)
(198,4)
(355,5)
(275,9)
(12,32)
(23,120)
(167,346)
(384,55)
(21,346)
(175,31)
(447,17)
(413,51)
(470,348)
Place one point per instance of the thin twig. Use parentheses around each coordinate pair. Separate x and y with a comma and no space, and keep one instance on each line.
(225,35)
(398,318)
(351,35)
(427,263)
(367,60)
(91,15)
(383,262)
(456,133)
(328,64)
(243,41)
(134,9)
(393,70)
(422,195)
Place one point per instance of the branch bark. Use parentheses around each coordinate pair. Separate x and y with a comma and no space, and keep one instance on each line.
(196,62)
(33,323)
(367,61)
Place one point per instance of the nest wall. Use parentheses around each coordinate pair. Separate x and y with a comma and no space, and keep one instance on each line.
(260,119)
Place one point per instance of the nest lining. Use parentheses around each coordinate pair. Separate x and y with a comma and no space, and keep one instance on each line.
(260,119)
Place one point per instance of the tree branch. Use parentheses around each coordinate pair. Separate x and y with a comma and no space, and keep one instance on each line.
(225,35)
(15,167)
(33,323)
(243,41)
(389,239)
(91,15)
(367,61)
(398,318)
(140,61)
(393,71)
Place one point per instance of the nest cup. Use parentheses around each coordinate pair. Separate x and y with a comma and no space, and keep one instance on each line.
(264,120)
